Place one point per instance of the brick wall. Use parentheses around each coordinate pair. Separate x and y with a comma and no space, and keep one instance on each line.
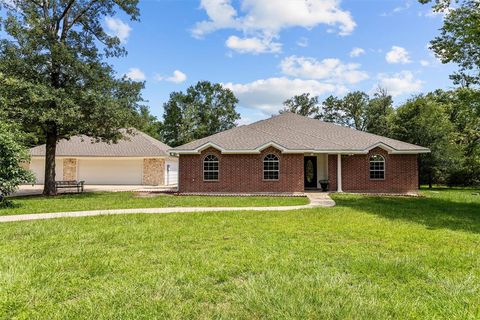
(401,173)
(241,173)
(244,173)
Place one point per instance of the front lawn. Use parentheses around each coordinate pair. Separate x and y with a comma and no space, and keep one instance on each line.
(366,258)
(128,200)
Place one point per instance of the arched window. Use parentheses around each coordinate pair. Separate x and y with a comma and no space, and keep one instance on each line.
(271,167)
(210,168)
(377,167)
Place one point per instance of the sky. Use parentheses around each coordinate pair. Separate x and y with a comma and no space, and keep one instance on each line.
(266,51)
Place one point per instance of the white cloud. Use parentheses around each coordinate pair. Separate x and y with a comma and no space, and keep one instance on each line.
(268,95)
(265,19)
(398,55)
(400,83)
(356,52)
(244,121)
(330,70)
(302,42)
(436,14)
(261,15)
(406,6)
(424,63)
(135,74)
(118,28)
(177,77)
(253,45)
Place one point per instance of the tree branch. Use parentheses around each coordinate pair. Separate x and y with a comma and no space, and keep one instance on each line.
(77,18)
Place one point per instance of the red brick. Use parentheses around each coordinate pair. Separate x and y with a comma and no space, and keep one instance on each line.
(241,173)
(401,173)
(244,173)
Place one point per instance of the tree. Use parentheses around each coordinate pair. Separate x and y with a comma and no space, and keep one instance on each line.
(204,109)
(463,110)
(379,110)
(173,120)
(459,40)
(424,121)
(302,104)
(53,74)
(12,155)
(351,110)
(144,121)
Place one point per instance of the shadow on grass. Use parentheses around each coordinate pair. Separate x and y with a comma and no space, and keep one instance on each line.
(66,195)
(22,202)
(432,212)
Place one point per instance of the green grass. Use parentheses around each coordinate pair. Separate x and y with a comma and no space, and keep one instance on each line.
(366,258)
(128,200)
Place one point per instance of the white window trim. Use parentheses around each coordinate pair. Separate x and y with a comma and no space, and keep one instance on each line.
(217,171)
(263,167)
(384,167)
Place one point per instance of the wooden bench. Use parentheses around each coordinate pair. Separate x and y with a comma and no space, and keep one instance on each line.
(70,184)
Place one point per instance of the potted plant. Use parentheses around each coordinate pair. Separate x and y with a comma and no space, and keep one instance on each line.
(324,185)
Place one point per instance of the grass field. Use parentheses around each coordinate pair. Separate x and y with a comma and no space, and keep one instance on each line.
(128,200)
(366,258)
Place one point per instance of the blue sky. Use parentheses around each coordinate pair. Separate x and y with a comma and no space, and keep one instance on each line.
(267,50)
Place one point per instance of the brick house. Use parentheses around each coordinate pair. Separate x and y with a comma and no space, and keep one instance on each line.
(138,159)
(291,153)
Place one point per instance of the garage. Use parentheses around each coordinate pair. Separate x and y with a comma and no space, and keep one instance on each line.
(171,172)
(137,159)
(37,166)
(112,171)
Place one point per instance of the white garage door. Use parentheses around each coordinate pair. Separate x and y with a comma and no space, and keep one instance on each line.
(110,171)
(37,166)
(171,172)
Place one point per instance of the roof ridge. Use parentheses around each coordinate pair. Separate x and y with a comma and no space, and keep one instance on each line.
(306,134)
(345,128)
(269,133)
(152,140)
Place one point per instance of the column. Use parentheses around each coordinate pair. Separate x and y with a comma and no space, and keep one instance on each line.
(339,173)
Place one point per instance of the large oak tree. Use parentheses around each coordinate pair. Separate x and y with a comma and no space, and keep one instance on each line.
(54,77)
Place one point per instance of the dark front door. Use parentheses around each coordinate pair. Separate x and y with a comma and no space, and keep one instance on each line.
(310,172)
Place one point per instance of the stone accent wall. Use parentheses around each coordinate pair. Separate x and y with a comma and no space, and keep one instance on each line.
(70,169)
(241,173)
(401,173)
(153,171)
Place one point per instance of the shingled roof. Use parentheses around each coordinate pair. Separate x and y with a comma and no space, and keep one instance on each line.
(137,144)
(292,133)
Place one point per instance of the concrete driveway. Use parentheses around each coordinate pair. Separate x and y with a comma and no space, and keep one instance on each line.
(29,190)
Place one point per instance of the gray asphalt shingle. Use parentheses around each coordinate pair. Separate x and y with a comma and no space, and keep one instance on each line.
(296,132)
(137,144)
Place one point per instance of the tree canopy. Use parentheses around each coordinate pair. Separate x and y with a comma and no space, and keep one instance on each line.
(303,104)
(204,109)
(459,39)
(12,155)
(54,78)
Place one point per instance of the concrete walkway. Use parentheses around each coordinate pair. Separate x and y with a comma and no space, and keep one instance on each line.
(316,200)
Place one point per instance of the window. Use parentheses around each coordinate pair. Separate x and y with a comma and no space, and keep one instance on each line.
(270,167)
(377,167)
(210,168)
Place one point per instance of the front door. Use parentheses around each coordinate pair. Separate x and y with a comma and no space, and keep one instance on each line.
(310,172)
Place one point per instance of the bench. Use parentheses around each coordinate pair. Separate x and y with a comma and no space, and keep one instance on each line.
(70,184)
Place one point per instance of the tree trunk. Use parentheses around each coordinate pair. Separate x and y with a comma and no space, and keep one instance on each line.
(51,149)
(430,178)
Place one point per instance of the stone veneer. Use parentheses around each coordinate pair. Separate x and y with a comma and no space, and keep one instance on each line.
(70,169)
(153,171)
